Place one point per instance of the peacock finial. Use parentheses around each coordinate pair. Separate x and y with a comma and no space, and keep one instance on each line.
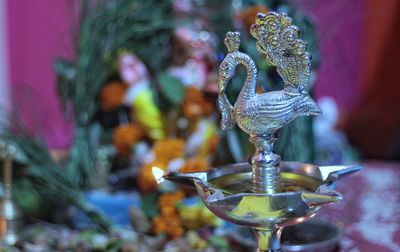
(232,41)
(264,114)
(277,38)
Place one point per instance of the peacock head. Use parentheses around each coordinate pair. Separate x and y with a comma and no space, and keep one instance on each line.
(226,72)
(228,65)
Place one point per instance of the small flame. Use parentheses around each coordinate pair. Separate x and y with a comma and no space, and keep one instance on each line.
(158,174)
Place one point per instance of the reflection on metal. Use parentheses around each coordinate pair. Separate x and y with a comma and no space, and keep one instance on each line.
(267,194)
(227,192)
(313,235)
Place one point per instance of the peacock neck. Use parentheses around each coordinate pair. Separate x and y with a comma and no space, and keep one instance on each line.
(249,87)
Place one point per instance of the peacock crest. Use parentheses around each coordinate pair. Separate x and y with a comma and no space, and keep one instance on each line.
(232,41)
(277,38)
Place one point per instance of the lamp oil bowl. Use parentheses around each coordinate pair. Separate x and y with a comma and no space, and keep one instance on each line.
(227,192)
(267,194)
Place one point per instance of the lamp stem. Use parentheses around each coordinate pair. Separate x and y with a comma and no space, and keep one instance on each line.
(265,165)
(268,240)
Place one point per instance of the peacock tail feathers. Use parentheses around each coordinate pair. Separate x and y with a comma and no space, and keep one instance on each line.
(277,38)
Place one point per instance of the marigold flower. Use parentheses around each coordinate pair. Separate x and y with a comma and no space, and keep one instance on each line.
(159,225)
(195,164)
(168,222)
(168,211)
(125,136)
(170,199)
(195,105)
(112,95)
(167,149)
(174,232)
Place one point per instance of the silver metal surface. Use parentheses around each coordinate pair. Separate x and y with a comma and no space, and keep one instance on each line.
(262,115)
(310,236)
(227,192)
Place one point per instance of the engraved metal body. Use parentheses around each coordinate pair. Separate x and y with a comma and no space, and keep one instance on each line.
(262,115)
(268,194)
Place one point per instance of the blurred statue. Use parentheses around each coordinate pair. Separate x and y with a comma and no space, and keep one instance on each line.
(139,95)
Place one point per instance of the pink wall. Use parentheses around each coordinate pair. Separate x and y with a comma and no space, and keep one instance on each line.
(339,27)
(38,31)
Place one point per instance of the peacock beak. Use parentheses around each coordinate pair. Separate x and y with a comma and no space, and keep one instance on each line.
(315,109)
(309,106)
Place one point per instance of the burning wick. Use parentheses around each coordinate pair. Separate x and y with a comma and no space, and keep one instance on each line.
(158,174)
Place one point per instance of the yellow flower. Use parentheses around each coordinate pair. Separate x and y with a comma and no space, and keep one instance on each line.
(191,217)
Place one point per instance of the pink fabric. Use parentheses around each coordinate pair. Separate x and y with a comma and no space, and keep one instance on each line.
(38,31)
(339,27)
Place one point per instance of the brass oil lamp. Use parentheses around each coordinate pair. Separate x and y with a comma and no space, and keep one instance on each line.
(267,194)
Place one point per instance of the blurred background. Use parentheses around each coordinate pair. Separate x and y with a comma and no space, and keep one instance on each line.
(356,41)
(96,93)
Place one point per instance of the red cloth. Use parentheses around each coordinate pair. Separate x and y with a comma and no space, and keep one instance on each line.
(374,124)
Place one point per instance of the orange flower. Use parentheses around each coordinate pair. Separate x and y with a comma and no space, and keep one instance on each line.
(112,95)
(248,15)
(159,225)
(195,164)
(168,211)
(214,140)
(167,149)
(195,105)
(168,222)
(170,199)
(170,225)
(125,136)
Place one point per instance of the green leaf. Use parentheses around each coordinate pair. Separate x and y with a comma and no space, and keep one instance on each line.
(171,88)
(115,245)
(64,68)
(66,73)
(27,198)
(150,204)
(219,242)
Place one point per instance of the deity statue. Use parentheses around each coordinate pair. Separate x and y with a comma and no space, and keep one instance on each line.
(139,95)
